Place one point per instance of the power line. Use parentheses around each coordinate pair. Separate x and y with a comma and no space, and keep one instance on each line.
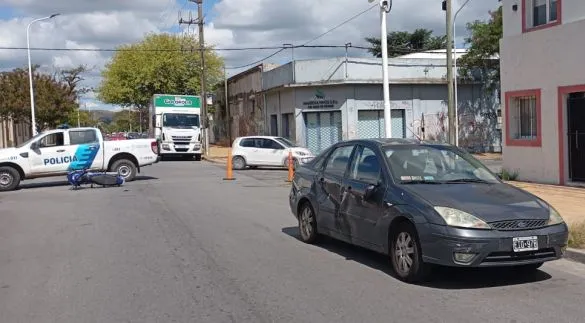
(175,50)
(310,41)
(342,23)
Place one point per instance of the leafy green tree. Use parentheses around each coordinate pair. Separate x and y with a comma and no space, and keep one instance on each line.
(404,42)
(161,63)
(55,95)
(481,60)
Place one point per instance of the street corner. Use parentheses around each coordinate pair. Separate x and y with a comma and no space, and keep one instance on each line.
(577,255)
(215,160)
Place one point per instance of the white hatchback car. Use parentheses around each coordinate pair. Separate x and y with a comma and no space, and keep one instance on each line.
(272,151)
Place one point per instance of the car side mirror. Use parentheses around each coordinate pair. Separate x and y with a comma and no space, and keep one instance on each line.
(34,146)
(370,191)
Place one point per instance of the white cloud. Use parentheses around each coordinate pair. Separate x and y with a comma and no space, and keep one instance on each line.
(230,23)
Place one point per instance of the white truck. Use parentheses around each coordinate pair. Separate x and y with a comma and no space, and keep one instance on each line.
(56,152)
(175,121)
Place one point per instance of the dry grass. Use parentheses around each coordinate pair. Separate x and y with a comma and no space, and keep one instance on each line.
(577,235)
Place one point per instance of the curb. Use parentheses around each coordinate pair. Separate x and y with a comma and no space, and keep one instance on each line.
(212,160)
(575,255)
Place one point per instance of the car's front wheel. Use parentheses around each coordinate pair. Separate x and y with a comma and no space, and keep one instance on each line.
(308,223)
(406,255)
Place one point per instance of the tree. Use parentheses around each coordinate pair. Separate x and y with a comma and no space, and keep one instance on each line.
(161,63)
(404,42)
(55,95)
(482,58)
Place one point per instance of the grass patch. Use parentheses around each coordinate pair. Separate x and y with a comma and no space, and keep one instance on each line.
(577,235)
(506,175)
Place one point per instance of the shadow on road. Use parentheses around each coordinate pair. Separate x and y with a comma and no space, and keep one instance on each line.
(441,278)
(29,186)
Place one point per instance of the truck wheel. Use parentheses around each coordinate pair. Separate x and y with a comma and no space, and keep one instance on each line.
(9,179)
(198,157)
(125,168)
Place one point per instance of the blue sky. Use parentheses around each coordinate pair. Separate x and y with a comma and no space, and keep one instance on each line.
(229,24)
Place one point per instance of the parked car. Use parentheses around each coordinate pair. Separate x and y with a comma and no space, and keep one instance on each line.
(56,152)
(273,151)
(423,204)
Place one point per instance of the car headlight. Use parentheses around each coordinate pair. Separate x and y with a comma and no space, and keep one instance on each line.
(300,153)
(555,217)
(458,218)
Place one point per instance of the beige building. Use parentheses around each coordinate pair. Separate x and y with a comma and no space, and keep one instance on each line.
(543,86)
(13,133)
(246,106)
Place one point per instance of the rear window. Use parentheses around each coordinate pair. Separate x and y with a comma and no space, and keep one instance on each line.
(247,142)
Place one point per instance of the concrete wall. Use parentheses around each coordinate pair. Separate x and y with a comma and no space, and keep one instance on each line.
(542,59)
(358,69)
(415,99)
(571,11)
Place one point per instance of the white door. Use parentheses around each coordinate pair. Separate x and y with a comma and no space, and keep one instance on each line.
(272,152)
(250,149)
(49,154)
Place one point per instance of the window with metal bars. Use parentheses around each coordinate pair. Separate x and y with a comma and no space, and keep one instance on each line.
(523,119)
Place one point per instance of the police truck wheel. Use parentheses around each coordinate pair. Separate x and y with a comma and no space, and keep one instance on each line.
(9,179)
(125,168)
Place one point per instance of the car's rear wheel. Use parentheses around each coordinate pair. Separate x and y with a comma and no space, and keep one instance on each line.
(406,255)
(125,168)
(238,163)
(308,223)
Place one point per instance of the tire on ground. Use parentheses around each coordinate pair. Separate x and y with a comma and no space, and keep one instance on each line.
(9,178)
(125,168)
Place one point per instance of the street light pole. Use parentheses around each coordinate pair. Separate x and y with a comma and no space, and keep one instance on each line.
(456,74)
(385,7)
(450,107)
(30,77)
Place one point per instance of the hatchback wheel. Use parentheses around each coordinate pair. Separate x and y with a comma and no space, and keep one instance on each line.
(406,255)
(308,224)
(238,163)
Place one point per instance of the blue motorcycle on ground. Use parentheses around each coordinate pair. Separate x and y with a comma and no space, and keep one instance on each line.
(77,178)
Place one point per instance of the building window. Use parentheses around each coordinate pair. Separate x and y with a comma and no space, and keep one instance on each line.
(541,14)
(523,123)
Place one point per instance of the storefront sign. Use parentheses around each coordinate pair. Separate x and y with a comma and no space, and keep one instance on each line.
(320,101)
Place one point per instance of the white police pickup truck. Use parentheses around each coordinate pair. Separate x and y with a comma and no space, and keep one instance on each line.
(56,152)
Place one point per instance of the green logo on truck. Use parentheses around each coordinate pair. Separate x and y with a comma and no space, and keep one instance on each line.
(177,101)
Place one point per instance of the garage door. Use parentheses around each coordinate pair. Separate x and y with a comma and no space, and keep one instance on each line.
(323,130)
(371,124)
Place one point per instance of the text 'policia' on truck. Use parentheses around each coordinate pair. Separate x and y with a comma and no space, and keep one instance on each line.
(175,121)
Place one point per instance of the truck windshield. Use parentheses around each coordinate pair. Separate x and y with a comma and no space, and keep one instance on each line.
(178,120)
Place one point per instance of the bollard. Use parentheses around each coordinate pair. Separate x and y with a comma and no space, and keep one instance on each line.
(229,171)
(291,171)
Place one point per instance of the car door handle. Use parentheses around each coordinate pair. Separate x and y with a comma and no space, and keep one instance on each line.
(61,150)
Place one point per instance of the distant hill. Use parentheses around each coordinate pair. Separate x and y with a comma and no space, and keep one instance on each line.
(103,115)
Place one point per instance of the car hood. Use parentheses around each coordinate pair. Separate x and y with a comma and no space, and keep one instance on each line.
(6,153)
(489,202)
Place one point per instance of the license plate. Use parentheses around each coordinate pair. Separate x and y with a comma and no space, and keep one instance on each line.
(182,146)
(521,244)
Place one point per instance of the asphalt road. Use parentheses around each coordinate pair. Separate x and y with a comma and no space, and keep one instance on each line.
(182,245)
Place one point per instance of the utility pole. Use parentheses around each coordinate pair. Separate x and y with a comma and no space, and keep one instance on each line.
(227,105)
(199,21)
(448,7)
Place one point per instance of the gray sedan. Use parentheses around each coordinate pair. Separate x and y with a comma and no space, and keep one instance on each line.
(423,204)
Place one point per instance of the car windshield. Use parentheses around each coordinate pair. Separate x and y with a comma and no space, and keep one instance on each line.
(178,120)
(287,143)
(435,165)
(30,140)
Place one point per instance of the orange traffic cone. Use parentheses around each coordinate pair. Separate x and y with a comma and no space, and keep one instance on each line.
(229,171)
(291,171)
